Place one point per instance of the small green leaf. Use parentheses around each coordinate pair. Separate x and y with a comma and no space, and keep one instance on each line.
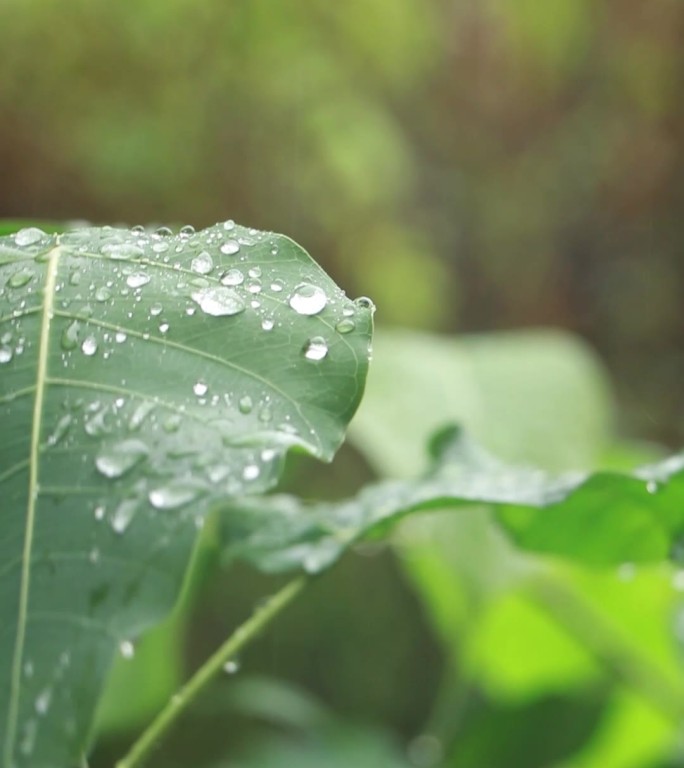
(602,518)
(144,378)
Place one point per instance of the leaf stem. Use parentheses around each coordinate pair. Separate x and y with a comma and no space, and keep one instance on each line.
(609,647)
(212,668)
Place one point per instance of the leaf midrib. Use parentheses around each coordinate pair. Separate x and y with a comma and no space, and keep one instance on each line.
(36,429)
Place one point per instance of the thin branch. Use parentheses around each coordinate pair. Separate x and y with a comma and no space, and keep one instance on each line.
(211,669)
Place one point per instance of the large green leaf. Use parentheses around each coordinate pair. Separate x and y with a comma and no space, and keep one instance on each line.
(601,518)
(144,377)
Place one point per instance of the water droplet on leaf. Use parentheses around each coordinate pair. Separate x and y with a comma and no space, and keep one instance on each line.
(89,346)
(20,278)
(202,263)
(315,349)
(230,248)
(118,459)
(308,299)
(28,236)
(218,301)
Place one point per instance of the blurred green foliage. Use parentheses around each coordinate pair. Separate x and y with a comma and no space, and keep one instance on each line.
(474,166)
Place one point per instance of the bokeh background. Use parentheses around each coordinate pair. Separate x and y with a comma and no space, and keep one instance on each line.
(471,164)
(474,166)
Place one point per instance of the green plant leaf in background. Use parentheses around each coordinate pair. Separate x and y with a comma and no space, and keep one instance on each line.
(144,377)
(604,518)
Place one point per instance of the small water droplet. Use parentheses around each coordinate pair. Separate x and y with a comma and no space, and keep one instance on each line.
(163,232)
(200,388)
(202,263)
(75,278)
(20,278)
(103,293)
(173,495)
(251,472)
(140,414)
(254,286)
(232,277)
(156,310)
(120,337)
(652,487)
(123,515)
(61,429)
(277,286)
(230,247)
(5,355)
(245,404)
(255,272)
(231,667)
(308,299)
(315,349)
(127,649)
(99,513)
(42,702)
(172,423)
(265,414)
(345,325)
(267,324)
(89,346)
(116,460)
(363,302)
(137,279)
(28,236)
(163,327)
(94,555)
(219,301)
(228,225)
(187,231)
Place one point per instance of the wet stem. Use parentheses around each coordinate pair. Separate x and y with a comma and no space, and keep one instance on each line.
(211,669)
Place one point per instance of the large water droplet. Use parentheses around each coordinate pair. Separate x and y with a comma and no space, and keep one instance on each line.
(69,339)
(116,460)
(20,278)
(137,280)
(308,299)
(232,277)
(122,251)
(230,248)
(218,301)
(202,263)
(316,348)
(28,236)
